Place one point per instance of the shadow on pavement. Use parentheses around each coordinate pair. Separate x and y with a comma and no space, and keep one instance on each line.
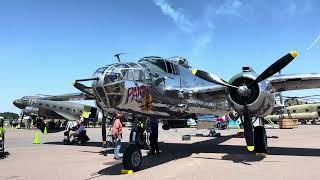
(234,153)
(91,144)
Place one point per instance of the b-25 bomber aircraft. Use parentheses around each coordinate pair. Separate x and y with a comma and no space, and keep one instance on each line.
(45,107)
(162,88)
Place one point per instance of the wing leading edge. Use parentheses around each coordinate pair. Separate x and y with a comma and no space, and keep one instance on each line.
(295,82)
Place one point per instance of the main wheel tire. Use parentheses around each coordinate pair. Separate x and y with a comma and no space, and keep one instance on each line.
(260,139)
(140,138)
(132,158)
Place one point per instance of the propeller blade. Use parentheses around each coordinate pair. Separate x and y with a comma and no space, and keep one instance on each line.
(211,78)
(248,131)
(275,67)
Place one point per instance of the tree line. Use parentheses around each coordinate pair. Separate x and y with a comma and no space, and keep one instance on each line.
(9,115)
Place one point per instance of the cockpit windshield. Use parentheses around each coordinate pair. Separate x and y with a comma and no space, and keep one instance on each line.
(125,71)
(24,99)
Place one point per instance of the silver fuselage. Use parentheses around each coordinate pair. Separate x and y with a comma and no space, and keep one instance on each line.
(172,98)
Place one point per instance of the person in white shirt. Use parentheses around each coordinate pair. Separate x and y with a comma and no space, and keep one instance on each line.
(76,132)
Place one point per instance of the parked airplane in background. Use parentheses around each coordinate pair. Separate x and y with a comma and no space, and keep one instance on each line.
(44,107)
(301,108)
(169,89)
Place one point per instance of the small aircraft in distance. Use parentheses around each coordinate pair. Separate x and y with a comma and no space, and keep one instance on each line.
(44,107)
(165,89)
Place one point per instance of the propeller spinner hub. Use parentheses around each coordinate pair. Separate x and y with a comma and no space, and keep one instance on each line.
(244,91)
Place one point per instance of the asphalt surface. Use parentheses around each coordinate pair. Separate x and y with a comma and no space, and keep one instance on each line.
(295,154)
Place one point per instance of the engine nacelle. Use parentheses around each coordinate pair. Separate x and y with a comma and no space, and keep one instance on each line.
(260,102)
(31,110)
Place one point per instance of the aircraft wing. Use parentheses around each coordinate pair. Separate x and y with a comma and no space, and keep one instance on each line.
(68,116)
(216,91)
(69,97)
(295,82)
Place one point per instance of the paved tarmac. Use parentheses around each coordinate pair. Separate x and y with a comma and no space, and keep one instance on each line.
(294,155)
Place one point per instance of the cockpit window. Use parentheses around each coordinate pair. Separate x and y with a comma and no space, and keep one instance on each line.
(113,75)
(24,99)
(169,67)
(124,71)
(156,63)
(101,70)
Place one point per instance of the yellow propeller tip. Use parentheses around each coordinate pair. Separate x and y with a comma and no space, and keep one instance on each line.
(73,83)
(294,54)
(250,148)
(194,71)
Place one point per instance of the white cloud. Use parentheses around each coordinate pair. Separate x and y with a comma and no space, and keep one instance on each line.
(177,15)
(230,7)
(201,42)
(314,43)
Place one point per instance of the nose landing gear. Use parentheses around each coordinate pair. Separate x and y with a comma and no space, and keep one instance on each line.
(132,158)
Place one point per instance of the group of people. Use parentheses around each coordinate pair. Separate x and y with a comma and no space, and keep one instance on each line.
(117,136)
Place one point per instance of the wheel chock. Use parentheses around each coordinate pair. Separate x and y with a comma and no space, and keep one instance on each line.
(124,171)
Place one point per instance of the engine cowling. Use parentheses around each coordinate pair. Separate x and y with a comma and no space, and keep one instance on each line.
(31,110)
(260,102)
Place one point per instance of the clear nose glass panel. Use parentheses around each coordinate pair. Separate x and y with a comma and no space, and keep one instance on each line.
(112,90)
(125,71)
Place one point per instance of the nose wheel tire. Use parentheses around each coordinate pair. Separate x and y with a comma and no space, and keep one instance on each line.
(132,158)
(260,139)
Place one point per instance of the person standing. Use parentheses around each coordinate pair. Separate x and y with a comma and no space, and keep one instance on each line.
(29,123)
(154,147)
(117,135)
(219,122)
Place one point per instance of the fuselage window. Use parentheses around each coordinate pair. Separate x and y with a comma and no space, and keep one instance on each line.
(61,108)
(40,104)
(54,106)
(74,111)
(294,111)
(68,109)
(47,105)
(307,110)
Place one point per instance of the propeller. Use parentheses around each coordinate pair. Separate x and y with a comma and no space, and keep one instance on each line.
(275,67)
(244,91)
(211,78)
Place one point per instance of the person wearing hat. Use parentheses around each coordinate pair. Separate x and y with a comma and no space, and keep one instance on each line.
(117,135)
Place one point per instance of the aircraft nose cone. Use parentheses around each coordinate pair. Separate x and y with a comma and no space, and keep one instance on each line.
(19,104)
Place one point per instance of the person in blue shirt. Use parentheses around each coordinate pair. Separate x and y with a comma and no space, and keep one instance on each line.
(154,147)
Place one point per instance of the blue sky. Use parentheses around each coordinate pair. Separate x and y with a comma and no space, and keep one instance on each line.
(45,45)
